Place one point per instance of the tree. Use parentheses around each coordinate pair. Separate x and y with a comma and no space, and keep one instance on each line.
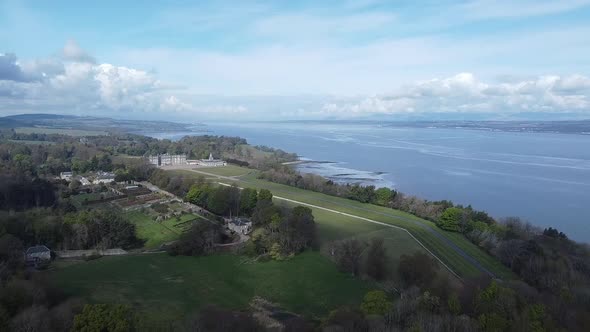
(383,196)
(11,253)
(346,320)
(417,269)
(104,318)
(218,201)
(248,200)
(201,237)
(263,213)
(454,304)
(349,255)
(264,195)
(198,194)
(376,265)
(297,231)
(376,303)
(450,219)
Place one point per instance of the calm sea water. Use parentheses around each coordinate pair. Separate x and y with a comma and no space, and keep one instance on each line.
(543,178)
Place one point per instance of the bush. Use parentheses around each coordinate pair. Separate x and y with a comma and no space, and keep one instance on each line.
(104,317)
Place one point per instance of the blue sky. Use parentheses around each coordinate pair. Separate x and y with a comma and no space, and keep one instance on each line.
(296,59)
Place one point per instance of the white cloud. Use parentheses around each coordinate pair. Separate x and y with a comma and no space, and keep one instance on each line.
(78,84)
(73,52)
(465,93)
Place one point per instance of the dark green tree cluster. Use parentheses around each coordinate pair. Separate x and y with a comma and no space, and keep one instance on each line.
(34,305)
(280,232)
(221,200)
(358,258)
(198,240)
(98,229)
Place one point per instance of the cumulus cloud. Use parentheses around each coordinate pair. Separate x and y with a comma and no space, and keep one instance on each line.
(10,70)
(73,52)
(76,82)
(465,93)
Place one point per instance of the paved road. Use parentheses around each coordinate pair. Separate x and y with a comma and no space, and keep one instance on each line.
(440,236)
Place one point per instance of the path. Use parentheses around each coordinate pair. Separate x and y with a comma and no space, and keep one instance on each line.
(440,236)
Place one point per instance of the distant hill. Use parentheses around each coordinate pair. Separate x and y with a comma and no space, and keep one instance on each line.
(58,121)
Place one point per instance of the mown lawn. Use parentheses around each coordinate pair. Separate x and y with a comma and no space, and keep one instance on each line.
(229,170)
(163,287)
(394,217)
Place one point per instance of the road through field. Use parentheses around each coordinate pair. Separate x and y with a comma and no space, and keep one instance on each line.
(438,235)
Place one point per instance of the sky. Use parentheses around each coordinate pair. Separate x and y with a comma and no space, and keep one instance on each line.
(275,60)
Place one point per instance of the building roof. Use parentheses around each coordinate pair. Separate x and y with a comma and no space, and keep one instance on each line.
(37,249)
(105,175)
(211,159)
(240,222)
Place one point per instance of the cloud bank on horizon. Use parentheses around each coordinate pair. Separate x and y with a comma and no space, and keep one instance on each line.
(255,60)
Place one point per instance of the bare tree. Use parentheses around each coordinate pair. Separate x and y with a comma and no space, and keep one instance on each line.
(377,259)
(348,255)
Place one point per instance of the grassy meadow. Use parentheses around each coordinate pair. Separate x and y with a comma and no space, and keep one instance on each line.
(162,287)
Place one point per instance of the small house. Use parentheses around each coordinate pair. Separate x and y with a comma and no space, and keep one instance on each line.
(37,254)
(239,225)
(66,176)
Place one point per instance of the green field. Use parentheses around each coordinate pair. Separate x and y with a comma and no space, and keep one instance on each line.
(422,229)
(158,233)
(229,170)
(60,131)
(334,227)
(163,287)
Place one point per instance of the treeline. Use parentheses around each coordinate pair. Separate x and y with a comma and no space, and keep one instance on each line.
(430,210)
(427,301)
(97,228)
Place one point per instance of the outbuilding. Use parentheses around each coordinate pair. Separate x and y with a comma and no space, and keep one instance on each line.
(38,254)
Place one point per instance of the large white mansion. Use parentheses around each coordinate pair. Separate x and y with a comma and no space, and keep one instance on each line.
(180,159)
(167,159)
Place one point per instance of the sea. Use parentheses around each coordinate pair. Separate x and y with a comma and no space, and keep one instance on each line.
(543,178)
